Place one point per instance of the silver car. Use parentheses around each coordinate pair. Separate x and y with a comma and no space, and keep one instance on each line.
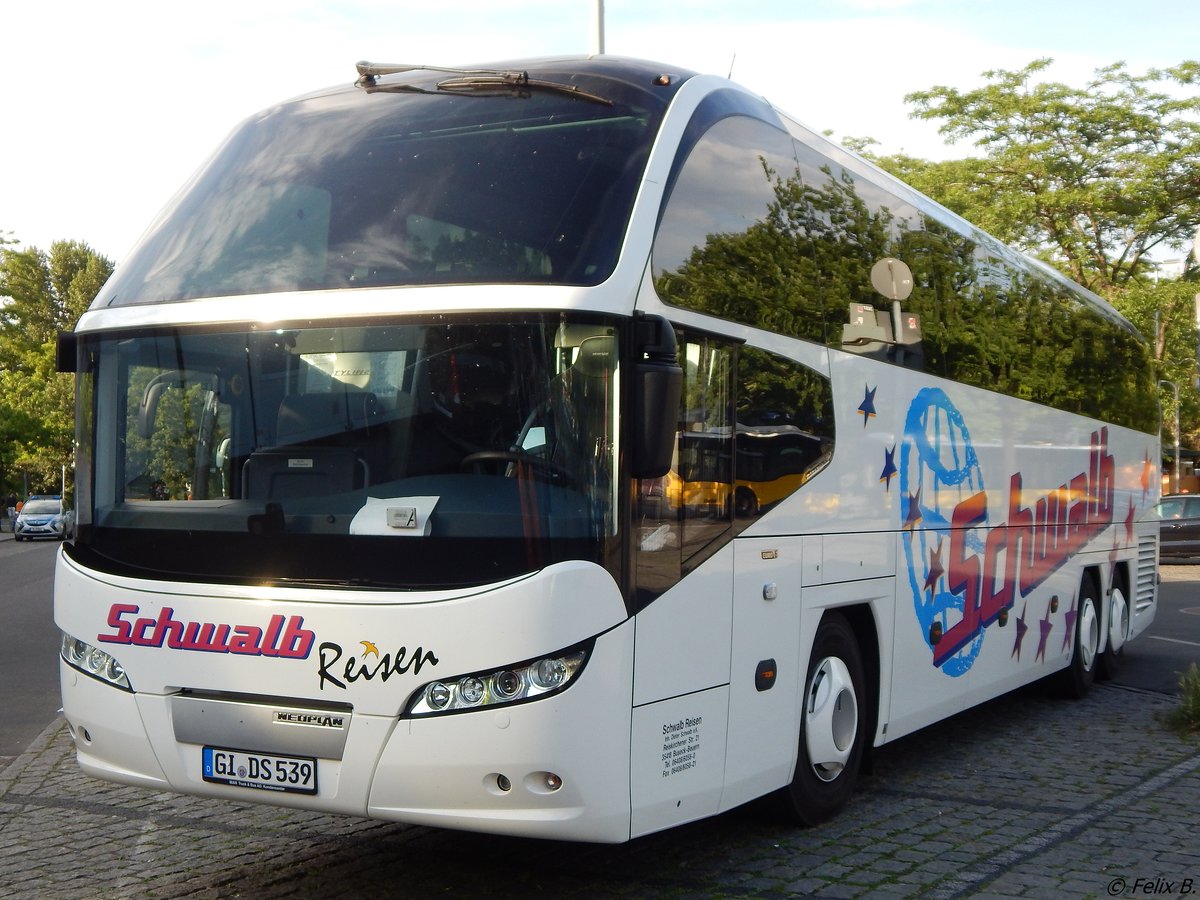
(1179,525)
(43,517)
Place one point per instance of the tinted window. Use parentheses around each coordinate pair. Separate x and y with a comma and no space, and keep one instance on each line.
(787,239)
(753,428)
(370,187)
(443,451)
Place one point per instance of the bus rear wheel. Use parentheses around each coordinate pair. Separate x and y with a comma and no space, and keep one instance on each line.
(1076,680)
(832,726)
(1118,628)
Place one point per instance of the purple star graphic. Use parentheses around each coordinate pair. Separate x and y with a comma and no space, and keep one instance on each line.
(1069,624)
(935,568)
(867,407)
(1021,629)
(889,467)
(1046,626)
(912,518)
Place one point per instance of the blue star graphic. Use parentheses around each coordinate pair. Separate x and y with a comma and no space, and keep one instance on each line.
(889,467)
(867,407)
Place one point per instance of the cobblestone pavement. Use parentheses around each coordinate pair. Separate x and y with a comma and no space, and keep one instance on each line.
(1027,796)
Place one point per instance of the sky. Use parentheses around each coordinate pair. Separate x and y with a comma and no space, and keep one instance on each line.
(107,108)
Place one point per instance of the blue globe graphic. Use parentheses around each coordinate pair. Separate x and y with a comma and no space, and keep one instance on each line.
(938,461)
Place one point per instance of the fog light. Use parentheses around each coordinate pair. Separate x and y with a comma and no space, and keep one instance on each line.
(74,650)
(506,684)
(471,691)
(503,783)
(437,696)
(553,782)
(549,673)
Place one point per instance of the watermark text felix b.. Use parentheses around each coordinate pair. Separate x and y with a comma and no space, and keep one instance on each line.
(1151,887)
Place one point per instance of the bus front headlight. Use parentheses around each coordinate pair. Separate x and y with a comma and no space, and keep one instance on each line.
(93,661)
(521,683)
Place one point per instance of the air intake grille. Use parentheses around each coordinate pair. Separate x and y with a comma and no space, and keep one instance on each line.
(1147,572)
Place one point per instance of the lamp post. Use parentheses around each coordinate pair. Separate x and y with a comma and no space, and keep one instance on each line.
(598,34)
(1174,387)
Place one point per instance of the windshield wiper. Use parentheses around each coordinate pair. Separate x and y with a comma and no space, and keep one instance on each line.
(481,82)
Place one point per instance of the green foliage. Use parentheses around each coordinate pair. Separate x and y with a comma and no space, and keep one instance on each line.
(1165,313)
(984,321)
(1092,178)
(1185,718)
(40,295)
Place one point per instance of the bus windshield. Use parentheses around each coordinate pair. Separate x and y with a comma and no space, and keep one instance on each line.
(442,452)
(370,188)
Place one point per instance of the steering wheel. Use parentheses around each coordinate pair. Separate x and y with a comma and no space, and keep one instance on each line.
(550,471)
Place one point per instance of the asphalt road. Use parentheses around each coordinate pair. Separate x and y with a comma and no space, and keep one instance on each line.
(1161,654)
(29,693)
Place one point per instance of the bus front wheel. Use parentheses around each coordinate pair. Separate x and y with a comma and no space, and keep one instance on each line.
(745,503)
(832,726)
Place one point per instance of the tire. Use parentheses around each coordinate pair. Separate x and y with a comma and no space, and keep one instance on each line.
(1076,680)
(745,503)
(1118,630)
(832,727)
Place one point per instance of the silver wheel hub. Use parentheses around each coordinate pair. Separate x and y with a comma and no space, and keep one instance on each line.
(1118,624)
(830,718)
(1089,633)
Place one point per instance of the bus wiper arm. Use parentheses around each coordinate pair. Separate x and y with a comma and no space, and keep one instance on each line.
(483,82)
(369,71)
(518,83)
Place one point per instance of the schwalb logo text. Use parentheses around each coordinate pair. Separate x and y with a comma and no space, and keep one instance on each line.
(282,637)
(1035,541)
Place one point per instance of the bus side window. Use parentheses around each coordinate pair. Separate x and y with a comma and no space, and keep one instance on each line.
(784,430)
(686,516)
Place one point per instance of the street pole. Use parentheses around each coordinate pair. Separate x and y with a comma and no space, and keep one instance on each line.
(1174,387)
(599,42)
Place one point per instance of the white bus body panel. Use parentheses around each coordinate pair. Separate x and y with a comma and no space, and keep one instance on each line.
(979,442)
(440,770)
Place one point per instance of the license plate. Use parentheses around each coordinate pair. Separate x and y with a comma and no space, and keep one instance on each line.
(261,771)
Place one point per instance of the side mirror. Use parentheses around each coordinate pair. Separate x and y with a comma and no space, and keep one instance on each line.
(658,387)
(65,348)
(149,408)
(158,386)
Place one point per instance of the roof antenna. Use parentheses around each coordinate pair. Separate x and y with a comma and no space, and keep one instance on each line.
(732,60)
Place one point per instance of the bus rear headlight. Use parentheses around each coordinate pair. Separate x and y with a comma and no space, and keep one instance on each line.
(93,661)
(530,680)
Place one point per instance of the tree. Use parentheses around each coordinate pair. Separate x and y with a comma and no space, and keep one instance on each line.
(1091,178)
(40,295)
(1165,311)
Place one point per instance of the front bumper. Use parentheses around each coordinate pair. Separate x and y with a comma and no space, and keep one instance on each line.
(487,770)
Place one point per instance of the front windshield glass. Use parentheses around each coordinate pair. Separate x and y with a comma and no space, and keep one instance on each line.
(42,508)
(439,452)
(384,187)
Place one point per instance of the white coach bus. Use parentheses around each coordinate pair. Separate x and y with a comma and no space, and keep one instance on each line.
(374,426)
